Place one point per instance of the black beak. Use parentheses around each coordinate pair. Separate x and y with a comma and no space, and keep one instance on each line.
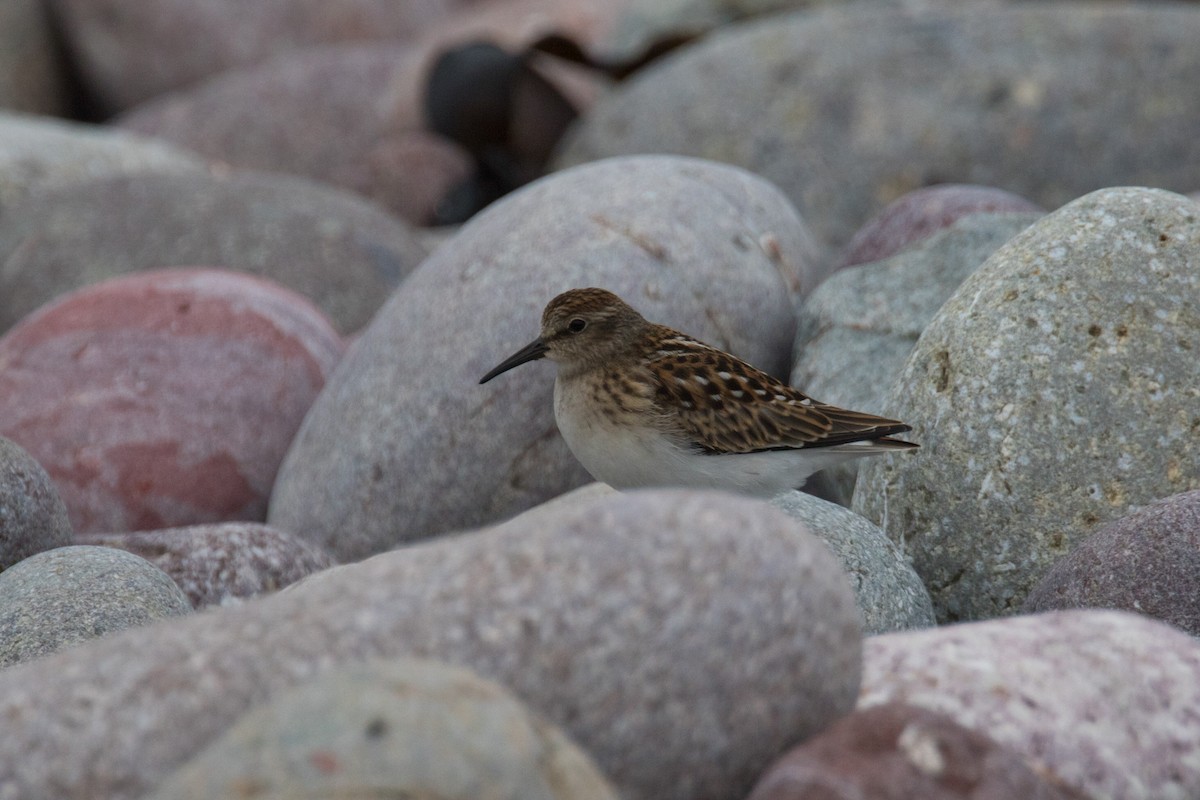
(530,352)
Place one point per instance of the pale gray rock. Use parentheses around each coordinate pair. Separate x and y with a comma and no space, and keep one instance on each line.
(404,443)
(1103,701)
(69,595)
(404,728)
(683,639)
(33,516)
(1056,390)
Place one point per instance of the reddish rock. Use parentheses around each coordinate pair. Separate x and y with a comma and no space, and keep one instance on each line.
(223,563)
(32,515)
(164,398)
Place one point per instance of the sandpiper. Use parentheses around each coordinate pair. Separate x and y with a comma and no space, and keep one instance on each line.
(643,405)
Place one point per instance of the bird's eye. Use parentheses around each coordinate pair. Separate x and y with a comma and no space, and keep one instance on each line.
(576,325)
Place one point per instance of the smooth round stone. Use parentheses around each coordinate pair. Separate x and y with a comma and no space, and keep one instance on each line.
(69,595)
(683,639)
(403,728)
(32,515)
(848,108)
(1148,562)
(890,595)
(32,77)
(1104,701)
(404,443)
(225,563)
(337,249)
(164,398)
(1054,391)
(901,751)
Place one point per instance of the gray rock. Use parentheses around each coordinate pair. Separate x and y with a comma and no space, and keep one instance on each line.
(225,563)
(1057,389)
(1103,701)
(1148,562)
(403,443)
(683,639)
(858,328)
(33,517)
(890,595)
(402,728)
(337,249)
(69,595)
(848,108)
(32,77)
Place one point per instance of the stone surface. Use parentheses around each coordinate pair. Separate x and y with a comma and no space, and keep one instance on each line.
(401,728)
(62,597)
(32,515)
(890,595)
(1103,701)
(1148,562)
(921,213)
(225,563)
(337,249)
(896,752)
(704,624)
(164,398)
(404,443)
(41,153)
(848,108)
(31,73)
(1057,389)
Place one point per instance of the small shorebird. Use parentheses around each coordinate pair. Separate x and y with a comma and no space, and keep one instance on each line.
(642,405)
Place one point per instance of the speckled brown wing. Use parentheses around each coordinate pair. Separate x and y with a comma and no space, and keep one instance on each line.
(725,405)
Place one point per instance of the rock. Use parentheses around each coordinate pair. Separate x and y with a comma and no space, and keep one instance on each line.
(1148,562)
(224,563)
(342,252)
(706,624)
(31,74)
(1057,689)
(1056,389)
(890,595)
(38,153)
(62,597)
(402,728)
(405,444)
(32,515)
(900,751)
(164,398)
(921,213)
(848,108)
(857,329)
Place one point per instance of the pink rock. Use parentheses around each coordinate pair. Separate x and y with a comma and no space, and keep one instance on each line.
(164,398)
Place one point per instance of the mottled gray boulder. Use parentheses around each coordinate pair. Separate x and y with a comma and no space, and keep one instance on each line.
(683,639)
(32,77)
(848,108)
(1148,562)
(1103,701)
(342,252)
(1056,390)
(402,728)
(404,443)
(68,595)
(224,563)
(890,595)
(33,517)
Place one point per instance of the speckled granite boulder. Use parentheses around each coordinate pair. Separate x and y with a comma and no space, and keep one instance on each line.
(68,595)
(224,563)
(706,624)
(164,398)
(1148,562)
(32,77)
(337,249)
(895,752)
(405,444)
(1056,390)
(32,515)
(1103,701)
(890,595)
(848,108)
(401,728)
